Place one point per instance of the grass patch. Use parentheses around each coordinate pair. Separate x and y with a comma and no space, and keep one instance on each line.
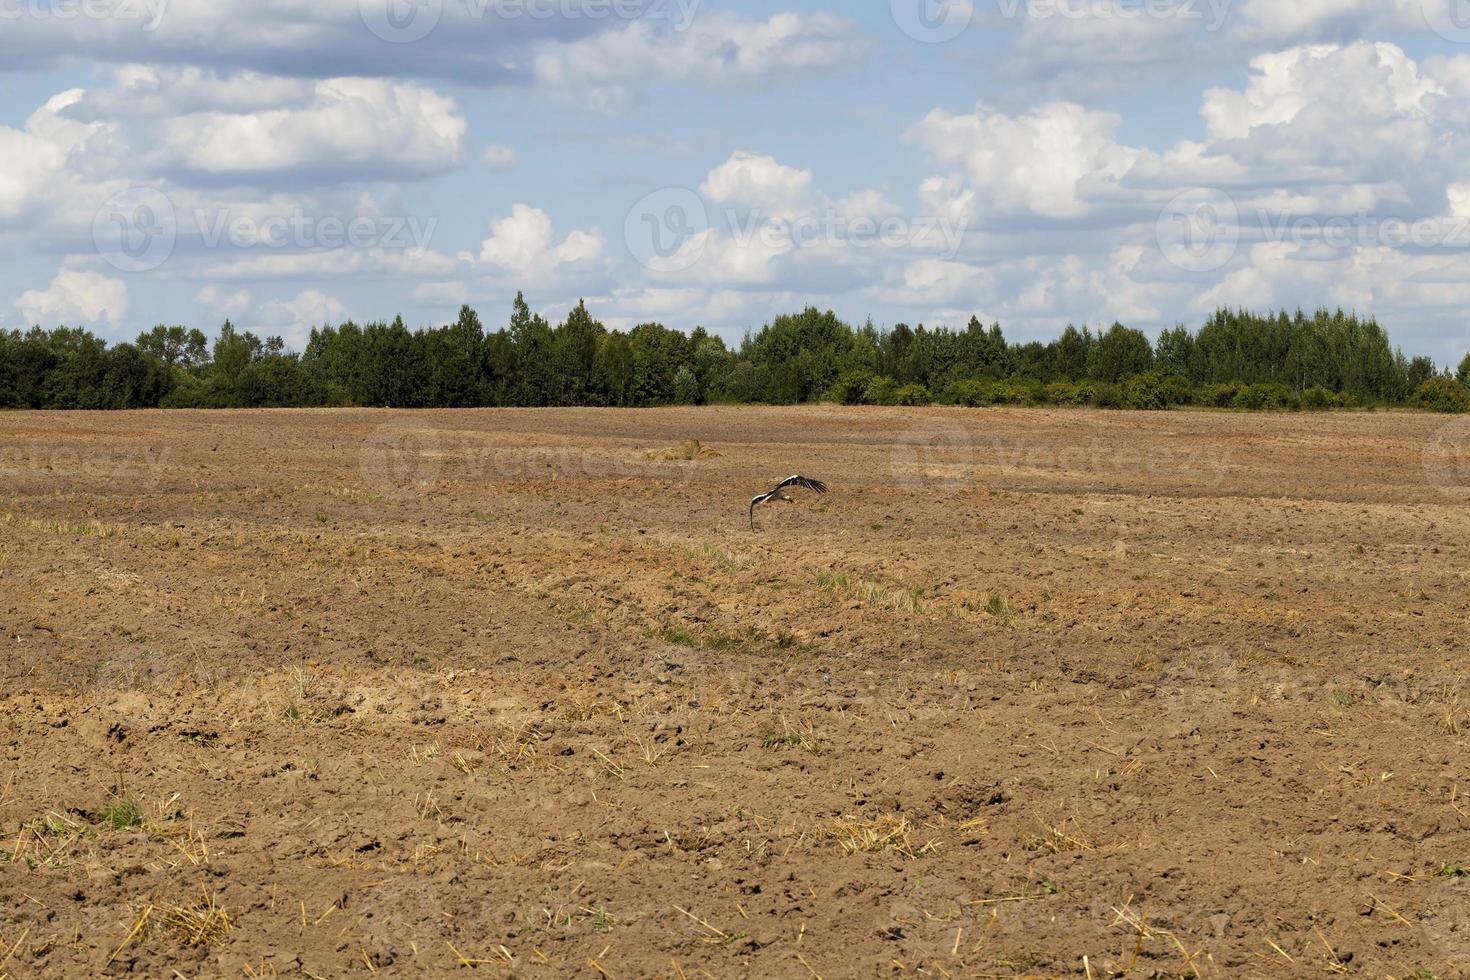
(121,814)
(872,593)
(689,449)
(751,643)
(790,737)
(720,557)
(90,529)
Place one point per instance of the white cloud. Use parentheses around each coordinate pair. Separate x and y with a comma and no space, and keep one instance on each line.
(1050,162)
(348,128)
(335,263)
(1274,22)
(748,180)
(605,69)
(523,243)
(473,42)
(294,318)
(76,298)
(223,303)
(497,157)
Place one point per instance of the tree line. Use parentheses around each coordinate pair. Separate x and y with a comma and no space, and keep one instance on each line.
(1236,359)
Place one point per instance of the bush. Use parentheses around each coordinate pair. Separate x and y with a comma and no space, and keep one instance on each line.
(881,391)
(1017,392)
(851,388)
(1319,399)
(913,395)
(1267,398)
(187,391)
(967,394)
(1062,393)
(1154,391)
(1100,395)
(1442,395)
(1223,395)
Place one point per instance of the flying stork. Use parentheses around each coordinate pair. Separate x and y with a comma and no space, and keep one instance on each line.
(816,486)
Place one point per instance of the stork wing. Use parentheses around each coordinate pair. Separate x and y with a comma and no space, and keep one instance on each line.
(816,486)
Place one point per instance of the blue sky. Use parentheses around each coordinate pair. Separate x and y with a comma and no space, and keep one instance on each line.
(1032,162)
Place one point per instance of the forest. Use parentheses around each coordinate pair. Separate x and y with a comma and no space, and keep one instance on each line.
(1236,359)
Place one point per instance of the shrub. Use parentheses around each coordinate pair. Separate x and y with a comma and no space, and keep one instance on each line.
(1267,398)
(1061,393)
(851,388)
(1442,395)
(1222,395)
(1017,392)
(1154,391)
(913,394)
(881,391)
(967,394)
(1100,395)
(1319,399)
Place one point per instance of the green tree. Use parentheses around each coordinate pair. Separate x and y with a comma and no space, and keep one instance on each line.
(175,345)
(1119,354)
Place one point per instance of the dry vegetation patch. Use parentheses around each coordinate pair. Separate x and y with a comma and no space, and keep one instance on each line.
(1103,718)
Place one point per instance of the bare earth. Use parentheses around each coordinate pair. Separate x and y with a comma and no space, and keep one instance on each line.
(1030,693)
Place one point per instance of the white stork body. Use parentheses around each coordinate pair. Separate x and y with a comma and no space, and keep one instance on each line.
(792,482)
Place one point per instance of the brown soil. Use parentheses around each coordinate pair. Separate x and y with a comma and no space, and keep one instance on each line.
(1029,693)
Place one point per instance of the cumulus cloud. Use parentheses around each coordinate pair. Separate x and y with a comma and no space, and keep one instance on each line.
(197,126)
(482,42)
(1322,136)
(1322,127)
(604,49)
(1086,49)
(1273,22)
(524,243)
(293,319)
(771,230)
(224,303)
(749,180)
(76,298)
(604,70)
(1049,162)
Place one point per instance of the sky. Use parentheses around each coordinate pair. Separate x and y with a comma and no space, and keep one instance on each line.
(289,163)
